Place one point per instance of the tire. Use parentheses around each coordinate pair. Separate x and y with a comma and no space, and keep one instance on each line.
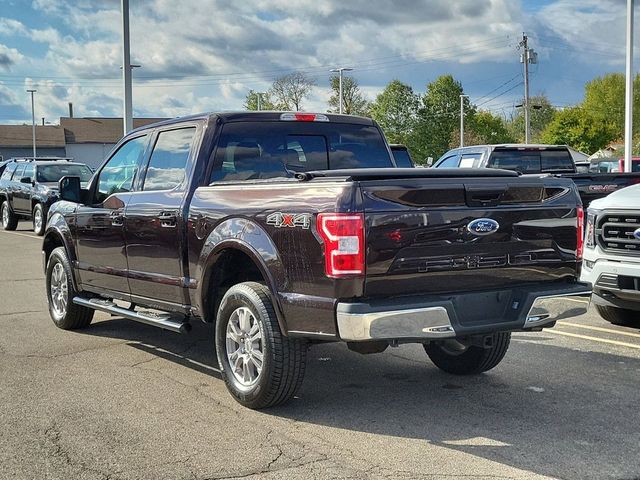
(9,219)
(248,308)
(619,316)
(60,292)
(470,360)
(39,219)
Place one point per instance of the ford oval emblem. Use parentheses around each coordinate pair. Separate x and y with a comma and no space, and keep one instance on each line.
(636,234)
(484,226)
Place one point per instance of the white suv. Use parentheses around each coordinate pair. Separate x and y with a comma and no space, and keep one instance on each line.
(612,255)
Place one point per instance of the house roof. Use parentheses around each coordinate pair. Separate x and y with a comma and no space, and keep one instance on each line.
(98,130)
(21,136)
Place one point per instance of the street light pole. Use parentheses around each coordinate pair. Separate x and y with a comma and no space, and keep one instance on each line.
(33,122)
(628,97)
(462,97)
(259,101)
(126,70)
(340,70)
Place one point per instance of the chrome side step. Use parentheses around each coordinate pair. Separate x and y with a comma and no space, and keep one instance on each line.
(161,320)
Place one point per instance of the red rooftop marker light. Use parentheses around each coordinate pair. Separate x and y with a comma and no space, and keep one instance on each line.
(304,117)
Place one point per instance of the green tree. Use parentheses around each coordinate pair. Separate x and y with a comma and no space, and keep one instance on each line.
(395,111)
(251,101)
(289,91)
(541,113)
(484,128)
(439,117)
(604,101)
(353,101)
(579,129)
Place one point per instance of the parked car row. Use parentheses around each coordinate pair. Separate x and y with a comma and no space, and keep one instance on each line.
(29,186)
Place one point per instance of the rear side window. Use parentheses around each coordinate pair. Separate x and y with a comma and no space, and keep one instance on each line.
(262,150)
(6,175)
(18,173)
(168,161)
(470,160)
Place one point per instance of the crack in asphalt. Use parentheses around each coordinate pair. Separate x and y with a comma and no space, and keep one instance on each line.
(52,434)
(21,313)
(66,354)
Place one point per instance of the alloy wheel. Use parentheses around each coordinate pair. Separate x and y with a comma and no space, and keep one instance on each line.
(245,346)
(59,287)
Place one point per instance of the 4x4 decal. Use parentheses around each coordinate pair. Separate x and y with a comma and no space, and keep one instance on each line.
(280,220)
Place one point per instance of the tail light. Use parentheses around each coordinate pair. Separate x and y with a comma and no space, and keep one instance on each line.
(343,237)
(303,117)
(579,232)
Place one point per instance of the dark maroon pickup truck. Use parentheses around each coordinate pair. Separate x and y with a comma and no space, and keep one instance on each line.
(288,229)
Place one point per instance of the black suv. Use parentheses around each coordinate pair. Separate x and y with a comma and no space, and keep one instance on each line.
(28,187)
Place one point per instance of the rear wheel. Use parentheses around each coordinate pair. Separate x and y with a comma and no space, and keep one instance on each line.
(60,293)
(459,359)
(38,219)
(260,366)
(619,316)
(9,219)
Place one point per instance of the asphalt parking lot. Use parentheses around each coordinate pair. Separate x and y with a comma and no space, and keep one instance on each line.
(121,400)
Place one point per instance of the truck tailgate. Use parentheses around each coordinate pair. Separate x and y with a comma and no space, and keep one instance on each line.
(450,235)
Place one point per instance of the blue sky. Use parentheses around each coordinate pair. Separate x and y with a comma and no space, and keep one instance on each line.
(200,55)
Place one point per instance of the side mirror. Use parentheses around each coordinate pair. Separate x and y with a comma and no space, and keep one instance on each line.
(70,189)
(25,180)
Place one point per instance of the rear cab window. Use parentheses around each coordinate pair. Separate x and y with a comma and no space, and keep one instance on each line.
(532,160)
(263,150)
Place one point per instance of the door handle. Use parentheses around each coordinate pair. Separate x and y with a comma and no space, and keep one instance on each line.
(167,219)
(117,220)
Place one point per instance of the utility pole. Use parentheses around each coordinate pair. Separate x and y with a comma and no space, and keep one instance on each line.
(462,97)
(528,56)
(340,70)
(628,94)
(127,118)
(259,100)
(33,122)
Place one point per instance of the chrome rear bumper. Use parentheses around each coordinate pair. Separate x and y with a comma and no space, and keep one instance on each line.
(364,322)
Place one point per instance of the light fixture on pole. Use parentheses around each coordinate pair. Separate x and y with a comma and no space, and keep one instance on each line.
(340,70)
(462,97)
(33,121)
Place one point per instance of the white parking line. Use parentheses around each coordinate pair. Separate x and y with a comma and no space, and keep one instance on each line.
(21,234)
(595,339)
(600,329)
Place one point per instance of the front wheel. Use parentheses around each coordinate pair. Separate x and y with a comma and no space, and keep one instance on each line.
(39,221)
(60,292)
(9,219)
(260,366)
(454,357)
(618,316)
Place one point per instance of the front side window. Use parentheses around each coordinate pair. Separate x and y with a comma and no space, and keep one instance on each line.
(168,161)
(29,171)
(449,162)
(118,174)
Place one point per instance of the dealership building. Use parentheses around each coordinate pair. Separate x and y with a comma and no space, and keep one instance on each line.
(87,140)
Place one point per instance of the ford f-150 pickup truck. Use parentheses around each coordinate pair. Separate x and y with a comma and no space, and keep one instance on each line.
(536,159)
(287,229)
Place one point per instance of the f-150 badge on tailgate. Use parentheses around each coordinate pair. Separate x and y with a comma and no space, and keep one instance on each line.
(280,220)
(483,226)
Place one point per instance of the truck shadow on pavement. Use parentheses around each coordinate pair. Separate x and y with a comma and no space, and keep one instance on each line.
(546,409)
